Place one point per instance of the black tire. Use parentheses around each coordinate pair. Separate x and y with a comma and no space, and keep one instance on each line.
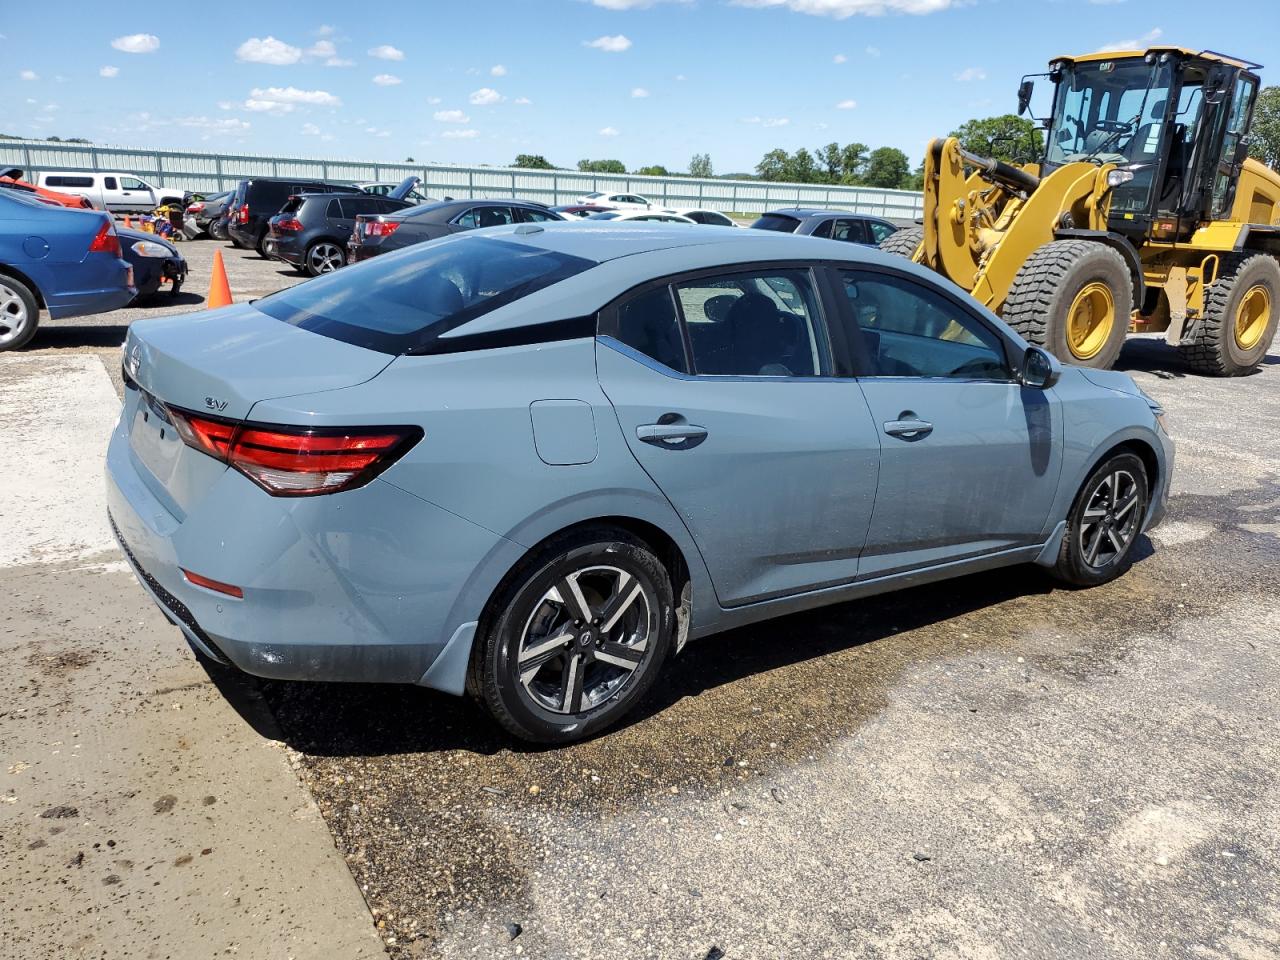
(1080,563)
(218,231)
(265,244)
(521,615)
(324,256)
(19,313)
(904,243)
(1046,287)
(1215,347)
(176,289)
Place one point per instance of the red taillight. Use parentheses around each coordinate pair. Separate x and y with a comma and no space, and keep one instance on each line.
(106,240)
(296,462)
(287,225)
(209,584)
(380,228)
(195,208)
(243,215)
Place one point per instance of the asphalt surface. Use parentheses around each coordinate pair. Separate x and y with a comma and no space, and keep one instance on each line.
(987,768)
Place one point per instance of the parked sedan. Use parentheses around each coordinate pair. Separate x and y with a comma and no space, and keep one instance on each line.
(616,201)
(647,216)
(203,214)
(533,462)
(375,234)
(155,261)
(830,224)
(312,230)
(62,260)
(710,218)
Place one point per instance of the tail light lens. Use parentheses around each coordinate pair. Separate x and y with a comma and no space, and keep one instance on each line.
(243,215)
(287,225)
(106,240)
(295,461)
(380,228)
(195,208)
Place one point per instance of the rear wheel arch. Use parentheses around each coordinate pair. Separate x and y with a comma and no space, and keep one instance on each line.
(22,278)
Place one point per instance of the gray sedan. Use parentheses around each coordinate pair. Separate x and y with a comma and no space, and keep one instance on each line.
(532,462)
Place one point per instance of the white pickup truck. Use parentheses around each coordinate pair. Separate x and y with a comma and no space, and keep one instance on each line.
(123,192)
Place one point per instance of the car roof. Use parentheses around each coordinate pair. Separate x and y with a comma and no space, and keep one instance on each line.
(804,213)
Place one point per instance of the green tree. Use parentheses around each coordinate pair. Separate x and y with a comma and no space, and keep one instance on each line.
(801,168)
(408,160)
(1009,137)
(853,157)
(887,167)
(656,170)
(700,166)
(829,157)
(532,161)
(1265,145)
(773,165)
(601,166)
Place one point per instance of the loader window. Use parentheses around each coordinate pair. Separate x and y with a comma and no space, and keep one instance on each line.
(911,331)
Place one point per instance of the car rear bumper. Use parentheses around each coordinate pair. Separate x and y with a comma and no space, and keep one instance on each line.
(357,586)
(109,287)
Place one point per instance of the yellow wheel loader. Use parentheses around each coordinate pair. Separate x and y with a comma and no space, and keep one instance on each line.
(1144,214)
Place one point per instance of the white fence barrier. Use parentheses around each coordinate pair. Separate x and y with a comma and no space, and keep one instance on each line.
(211,172)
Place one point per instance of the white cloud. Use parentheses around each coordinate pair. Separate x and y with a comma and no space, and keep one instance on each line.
(29,75)
(467,134)
(680,77)
(872,51)
(609,132)
(846,104)
(268,50)
(387,80)
(284,99)
(214,124)
(310,130)
(970,74)
(324,30)
(225,105)
(386,52)
(1137,43)
(522,101)
(839,58)
(375,132)
(842,9)
(327,51)
(137,43)
(451,116)
(768,121)
(497,70)
(109,72)
(433,100)
(639,93)
(50,107)
(614,44)
(484,97)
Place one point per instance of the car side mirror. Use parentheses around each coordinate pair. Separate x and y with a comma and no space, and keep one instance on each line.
(1024,95)
(1040,369)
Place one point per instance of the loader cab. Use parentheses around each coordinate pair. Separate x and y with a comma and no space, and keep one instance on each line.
(1172,121)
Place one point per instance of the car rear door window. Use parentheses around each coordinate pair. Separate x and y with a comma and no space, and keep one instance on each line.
(535,216)
(353,207)
(880,231)
(486,216)
(108,183)
(649,324)
(824,229)
(754,324)
(850,231)
(909,330)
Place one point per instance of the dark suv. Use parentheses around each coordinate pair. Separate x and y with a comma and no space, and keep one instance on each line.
(832,224)
(430,221)
(311,230)
(256,201)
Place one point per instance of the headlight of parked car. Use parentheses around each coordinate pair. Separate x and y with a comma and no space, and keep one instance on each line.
(149,248)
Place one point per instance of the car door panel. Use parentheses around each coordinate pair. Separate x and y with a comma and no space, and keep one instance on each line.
(775,479)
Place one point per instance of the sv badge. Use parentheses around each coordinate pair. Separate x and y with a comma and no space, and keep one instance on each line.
(214,404)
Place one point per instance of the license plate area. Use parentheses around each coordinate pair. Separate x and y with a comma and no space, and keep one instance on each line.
(154,439)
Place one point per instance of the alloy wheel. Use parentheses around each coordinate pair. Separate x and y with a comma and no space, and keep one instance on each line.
(584,640)
(1110,519)
(325,258)
(14,316)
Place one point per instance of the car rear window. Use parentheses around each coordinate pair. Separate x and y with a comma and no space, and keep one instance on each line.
(402,302)
(776,221)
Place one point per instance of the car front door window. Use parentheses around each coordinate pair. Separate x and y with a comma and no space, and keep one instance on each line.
(850,231)
(130,183)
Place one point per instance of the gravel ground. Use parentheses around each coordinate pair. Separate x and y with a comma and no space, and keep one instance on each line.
(990,767)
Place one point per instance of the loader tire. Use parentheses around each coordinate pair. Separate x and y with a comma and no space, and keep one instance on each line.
(1239,322)
(904,243)
(1075,299)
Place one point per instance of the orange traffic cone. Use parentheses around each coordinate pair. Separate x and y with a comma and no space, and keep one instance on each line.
(219,289)
(128,225)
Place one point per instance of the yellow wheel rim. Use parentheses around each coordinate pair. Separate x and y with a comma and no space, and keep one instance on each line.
(1252,316)
(1090,320)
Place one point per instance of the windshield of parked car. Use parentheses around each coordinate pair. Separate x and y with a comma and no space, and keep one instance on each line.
(776,221)
(402,302)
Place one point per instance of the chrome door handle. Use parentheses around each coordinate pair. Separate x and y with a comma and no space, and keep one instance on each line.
(908,429)
(673,436)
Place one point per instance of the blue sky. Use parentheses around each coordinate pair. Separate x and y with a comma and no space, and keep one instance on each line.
(645,81)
